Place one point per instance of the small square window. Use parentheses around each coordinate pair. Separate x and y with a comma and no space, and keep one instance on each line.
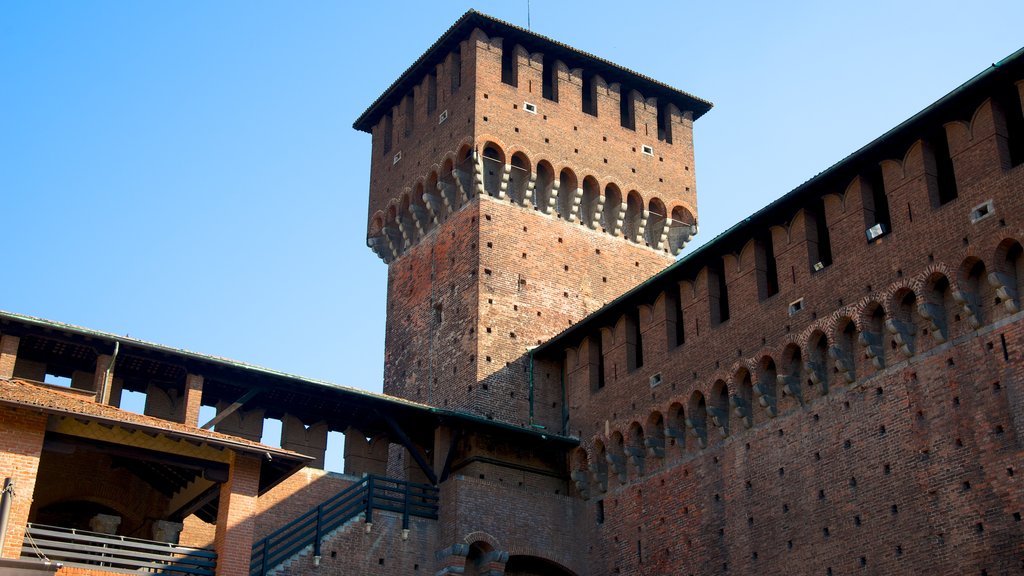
(647,150)
(530,107)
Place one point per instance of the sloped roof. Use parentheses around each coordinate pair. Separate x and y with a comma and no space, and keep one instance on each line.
(534,42)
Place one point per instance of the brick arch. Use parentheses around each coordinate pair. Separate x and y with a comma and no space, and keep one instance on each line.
(973,290)
(520,177)
(1007,274)
(741,382)
(790,375)
(612,213)
(817,374)
(592,202)
(696,421)
(765,379)
(376,223)
(657,222)
(544,192)
(675,424)
(635,446)
(718,406)
(568,182)
(655,427)
(480,536)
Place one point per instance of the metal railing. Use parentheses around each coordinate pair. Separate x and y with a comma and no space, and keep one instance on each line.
(371,493)
(115,553)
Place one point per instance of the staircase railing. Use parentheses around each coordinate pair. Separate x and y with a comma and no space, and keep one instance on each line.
(369,494)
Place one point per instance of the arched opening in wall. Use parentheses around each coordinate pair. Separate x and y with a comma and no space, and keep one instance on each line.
(680,229)
(549,78)
(845,354)
(519,178)
(449,192)
(376,225)
(612,209)
(634,215)
(819,243)
(656,222)
(591,199)
(936,308)
(973,295)
(766,385)
(634,340)
(635,450)
(675,426)
(817,361)
(464,171)
(942,187)
(509,63)
(873,338)
(567,185)
(579,471)
(765,266)
(494,169)
(456,71)
(520,565)
(589,95)
(718,292)
(617,455)
(432,199)
(664,123)
(655,441)
(544,187)
(405,220)
(719,409)
(599,465)
(627,116)
(742,400)
(902,326)
(478,558)
(675,325)
(877,221)
(1008,276)
(418,206)
(792,378)
(697,418)
(1007,99)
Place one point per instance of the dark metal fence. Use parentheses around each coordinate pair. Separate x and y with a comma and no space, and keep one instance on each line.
(116,553)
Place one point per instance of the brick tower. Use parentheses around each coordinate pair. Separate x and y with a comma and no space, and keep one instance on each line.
(517,185)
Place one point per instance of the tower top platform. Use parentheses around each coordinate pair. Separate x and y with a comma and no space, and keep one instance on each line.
(533,42)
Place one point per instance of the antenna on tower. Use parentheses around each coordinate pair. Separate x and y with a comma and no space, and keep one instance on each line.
(528,27)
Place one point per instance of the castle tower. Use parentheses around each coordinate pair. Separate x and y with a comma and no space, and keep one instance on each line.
(517,185)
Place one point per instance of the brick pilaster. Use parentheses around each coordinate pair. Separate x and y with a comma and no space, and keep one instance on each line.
(235,517)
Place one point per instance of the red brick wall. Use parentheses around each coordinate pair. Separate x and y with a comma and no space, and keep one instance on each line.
(915,466)
(21,440)
(235,516)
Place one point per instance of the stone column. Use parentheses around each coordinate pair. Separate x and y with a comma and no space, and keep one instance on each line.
(235,516)
(8,354)
(104,523)
(193,398)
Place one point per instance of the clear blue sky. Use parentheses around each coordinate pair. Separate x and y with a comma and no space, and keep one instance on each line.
(186,172)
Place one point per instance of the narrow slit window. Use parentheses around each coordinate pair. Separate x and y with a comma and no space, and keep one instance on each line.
(767,269)
(509,65)
(431,93)
(943,188)
(1008,100)
(589,95)
(633,325)
(819,245)
(549,80)
(626,117)
(664,124)
(456,69)
(718,293)
(599,358)
(676,310)
(386,128)
(877,221)
(410,113)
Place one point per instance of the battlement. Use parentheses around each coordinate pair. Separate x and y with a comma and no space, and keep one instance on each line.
(492,109)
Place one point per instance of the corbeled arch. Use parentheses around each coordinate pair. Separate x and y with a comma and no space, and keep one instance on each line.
(657,224)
